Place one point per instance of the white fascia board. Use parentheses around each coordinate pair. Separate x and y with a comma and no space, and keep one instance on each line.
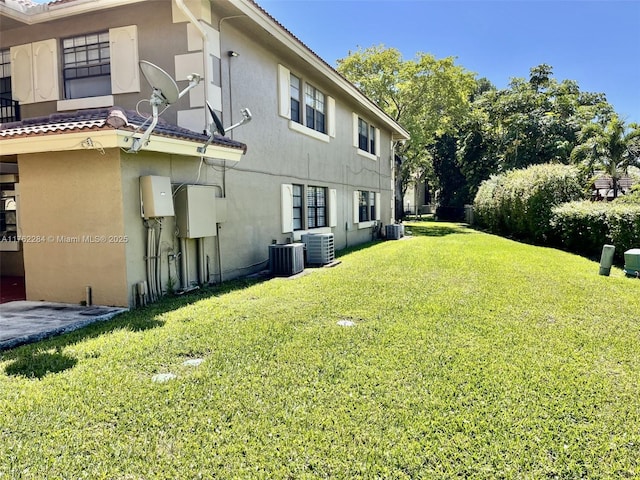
(255,14)
(59,142)
(176,146)
(102,140)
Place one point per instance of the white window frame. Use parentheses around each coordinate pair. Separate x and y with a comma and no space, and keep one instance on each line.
(36,74)
(309,207)
(86,61)
(287,210)
(373,201)
(284,106)
(373,134)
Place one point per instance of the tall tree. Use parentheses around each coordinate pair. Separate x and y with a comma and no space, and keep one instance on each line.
(531,122)
(611,147)
(427,96)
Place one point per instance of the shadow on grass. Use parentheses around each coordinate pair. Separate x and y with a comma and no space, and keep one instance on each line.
(433,229)
(424,228)
(35,360)
(357,248)
(40,364)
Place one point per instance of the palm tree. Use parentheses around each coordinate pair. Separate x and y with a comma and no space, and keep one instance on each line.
(612,148)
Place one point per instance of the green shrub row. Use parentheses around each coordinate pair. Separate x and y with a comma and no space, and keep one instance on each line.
(520,202)
(584,227)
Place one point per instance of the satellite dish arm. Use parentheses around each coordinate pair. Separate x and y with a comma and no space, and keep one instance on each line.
(194,79)
(246,117)
(138,143)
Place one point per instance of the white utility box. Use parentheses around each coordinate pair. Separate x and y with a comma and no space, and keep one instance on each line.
(155,196)
(198,210)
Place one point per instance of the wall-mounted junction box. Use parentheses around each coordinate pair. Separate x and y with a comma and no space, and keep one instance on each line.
(155,197)
(198,210)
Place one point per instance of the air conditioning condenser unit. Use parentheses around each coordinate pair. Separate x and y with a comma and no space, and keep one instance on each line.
(394,232)
(286,259)
(320,248)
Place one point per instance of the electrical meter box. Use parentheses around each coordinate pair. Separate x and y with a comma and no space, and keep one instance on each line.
(155,197)
(198,210)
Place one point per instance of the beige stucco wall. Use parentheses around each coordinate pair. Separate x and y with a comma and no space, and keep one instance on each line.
(71,217)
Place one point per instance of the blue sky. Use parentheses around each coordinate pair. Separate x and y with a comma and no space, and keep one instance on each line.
(595,43)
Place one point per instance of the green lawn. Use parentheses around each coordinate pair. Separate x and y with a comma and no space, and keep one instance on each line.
(472,356)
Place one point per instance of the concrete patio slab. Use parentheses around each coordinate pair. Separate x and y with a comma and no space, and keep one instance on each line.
(26,322)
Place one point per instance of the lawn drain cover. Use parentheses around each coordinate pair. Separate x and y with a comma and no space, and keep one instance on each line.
(346,323)
(163,377)
(194,362)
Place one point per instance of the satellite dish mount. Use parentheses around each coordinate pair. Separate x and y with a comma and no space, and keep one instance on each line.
(165,92)
(216,126)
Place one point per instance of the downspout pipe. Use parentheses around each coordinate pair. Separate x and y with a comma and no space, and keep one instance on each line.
(205,51)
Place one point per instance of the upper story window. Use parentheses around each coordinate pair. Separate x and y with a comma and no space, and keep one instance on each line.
(9,109)
(295,99)
(84,71)
(5,74)
(314,109)
(309,110)
(366,137)
(86,66)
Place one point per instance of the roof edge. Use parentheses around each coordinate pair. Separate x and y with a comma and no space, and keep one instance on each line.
(259,15)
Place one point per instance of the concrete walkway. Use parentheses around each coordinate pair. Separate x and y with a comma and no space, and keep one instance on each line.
(25,322)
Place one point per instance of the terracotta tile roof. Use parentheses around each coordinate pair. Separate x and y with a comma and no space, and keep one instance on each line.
(114,118)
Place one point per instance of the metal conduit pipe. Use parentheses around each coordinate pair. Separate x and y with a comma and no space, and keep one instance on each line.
(158,260)
(184,269)
(148,260)
(201,261)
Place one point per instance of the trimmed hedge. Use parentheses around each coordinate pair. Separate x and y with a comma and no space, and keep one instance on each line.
(584,227)
(519,202)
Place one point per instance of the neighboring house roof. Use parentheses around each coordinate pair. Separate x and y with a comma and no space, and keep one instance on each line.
(126,122)
(27,12)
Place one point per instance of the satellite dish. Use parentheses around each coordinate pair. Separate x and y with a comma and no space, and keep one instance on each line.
(165,92)
(216,120)
(246,117)
(161,82)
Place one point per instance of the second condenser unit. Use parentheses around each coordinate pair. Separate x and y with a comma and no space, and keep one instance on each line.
(320,248)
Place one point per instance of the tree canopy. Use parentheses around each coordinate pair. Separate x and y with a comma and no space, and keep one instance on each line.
(463,129)
(429,97)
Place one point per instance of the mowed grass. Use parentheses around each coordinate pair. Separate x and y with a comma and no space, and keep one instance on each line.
(471,356)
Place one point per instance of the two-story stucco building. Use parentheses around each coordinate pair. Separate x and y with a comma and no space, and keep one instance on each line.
(317,155)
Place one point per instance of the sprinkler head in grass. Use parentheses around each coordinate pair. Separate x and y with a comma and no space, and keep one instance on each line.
(163,377)
(193,362)
(346,323)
